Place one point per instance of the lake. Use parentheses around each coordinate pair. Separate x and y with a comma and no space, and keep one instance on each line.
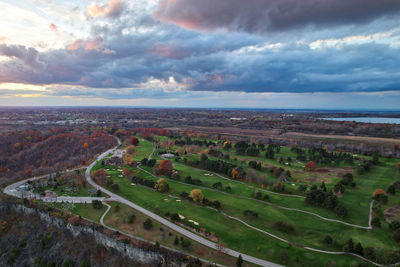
(367,120)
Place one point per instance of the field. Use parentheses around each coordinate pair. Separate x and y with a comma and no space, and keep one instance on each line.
(289,207)
(281,211)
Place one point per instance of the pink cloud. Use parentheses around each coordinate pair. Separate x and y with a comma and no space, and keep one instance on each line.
(53,27)
(2,39)
(94,44)
(111,9)
(167,51)
(75,45)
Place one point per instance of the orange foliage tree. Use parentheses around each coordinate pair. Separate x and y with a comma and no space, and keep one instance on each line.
(163,167)
(378,192)
(85,145)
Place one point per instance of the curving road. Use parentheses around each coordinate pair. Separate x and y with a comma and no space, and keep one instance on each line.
(167,223)
(12,190)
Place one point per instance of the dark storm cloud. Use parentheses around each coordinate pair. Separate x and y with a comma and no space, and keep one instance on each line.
(126,60)
(260,16)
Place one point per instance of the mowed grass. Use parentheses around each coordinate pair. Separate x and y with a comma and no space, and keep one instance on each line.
(120,220)
(84,210)
(309,230)
(231,232)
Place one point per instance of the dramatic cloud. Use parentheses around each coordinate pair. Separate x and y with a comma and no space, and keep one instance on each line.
(111,9)
(260,16)
(135,56)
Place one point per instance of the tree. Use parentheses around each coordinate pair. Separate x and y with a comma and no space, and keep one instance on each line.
(97,204)
(239,261)
(349,246)
(163,167)
(85,145)
(132,218)
(134,141)
(197,195)
(130,150)
(311,165)
(376,222)
(162,186)
(328,240)
(380,195)
(358,249)
(396,235)
(323,187)
(100,176)
(147,224)
(127,159)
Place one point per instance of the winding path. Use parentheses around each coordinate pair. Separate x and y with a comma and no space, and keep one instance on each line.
(167,223)
(12,190)
(271,204)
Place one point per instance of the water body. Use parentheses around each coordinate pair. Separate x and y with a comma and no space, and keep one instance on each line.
(367,120)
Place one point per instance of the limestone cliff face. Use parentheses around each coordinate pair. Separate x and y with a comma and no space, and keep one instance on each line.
(32,234)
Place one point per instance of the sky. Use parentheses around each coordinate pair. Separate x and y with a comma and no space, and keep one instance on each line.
(322,54)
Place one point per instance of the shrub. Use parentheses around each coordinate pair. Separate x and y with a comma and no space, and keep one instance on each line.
(394,225)
(175,217)
(97,204)
(283,227)
(185,243)
(132,218)
(117,208)
(349,246)
(376,222)
(396,235)
(147,224)
(115,187)
(251,214)
(328,240)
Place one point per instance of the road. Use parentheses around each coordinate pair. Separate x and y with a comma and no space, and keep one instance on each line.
(12,190)
(167,223)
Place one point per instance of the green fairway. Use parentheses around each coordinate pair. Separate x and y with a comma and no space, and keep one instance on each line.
(309,229)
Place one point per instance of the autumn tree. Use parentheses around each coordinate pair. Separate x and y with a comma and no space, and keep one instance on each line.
(311,165)
(134,141)
(237,173)
(130,150)
(162,186)
(127,159)
(163,167)
(196,195)
(85,145)
(100,176)
(380,195)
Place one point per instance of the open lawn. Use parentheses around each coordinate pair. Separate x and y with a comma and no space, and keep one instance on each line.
(309,229)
